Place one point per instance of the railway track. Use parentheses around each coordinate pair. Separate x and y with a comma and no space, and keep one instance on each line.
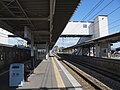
(88,82)
(101,71)
(101,75)
(102,78)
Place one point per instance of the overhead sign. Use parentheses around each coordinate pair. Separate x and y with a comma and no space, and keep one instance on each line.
(27,32)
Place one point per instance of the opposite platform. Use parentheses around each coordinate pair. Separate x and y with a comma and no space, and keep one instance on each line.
(51,75)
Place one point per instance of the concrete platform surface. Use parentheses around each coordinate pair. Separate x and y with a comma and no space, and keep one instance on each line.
(51,75)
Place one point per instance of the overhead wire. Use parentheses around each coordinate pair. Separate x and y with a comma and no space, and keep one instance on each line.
(93,9)
(114,10)
(112,22)
(115,21)
(7,5)
(108,15)
(114,26)
(101,9)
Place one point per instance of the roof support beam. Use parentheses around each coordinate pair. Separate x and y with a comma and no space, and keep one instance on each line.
(37,19)
(54,6)
(52,10)
(24,13)
(7,8)
(6,26)
(51,20)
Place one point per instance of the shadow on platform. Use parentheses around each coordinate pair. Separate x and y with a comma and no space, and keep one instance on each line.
(54,88)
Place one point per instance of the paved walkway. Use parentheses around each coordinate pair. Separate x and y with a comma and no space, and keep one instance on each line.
(50,75)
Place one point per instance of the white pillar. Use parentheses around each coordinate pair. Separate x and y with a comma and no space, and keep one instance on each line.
(47,51)
(27,32)
(32,47)
(97,50)
(36,53)
(103,49)
(32,51)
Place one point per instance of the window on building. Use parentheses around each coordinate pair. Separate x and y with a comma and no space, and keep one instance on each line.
(84,25)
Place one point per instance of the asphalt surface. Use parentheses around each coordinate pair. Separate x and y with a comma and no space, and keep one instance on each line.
(4,81)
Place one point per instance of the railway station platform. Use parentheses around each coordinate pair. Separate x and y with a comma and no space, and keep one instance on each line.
(51,75)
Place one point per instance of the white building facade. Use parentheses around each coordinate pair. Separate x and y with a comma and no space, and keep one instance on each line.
(77,28)
(3,36)
(98,28)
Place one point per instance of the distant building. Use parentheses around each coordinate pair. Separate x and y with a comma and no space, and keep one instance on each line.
(3,38)
(97,28)
(89,31)
(77,28)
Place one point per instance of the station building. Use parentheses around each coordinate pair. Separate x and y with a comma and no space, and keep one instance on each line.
(89,31)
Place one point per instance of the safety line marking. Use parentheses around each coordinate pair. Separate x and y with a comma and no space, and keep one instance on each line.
(73,81)
(59,80)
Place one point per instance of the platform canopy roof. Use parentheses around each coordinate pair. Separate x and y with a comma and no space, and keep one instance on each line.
(112,38)
(45,19)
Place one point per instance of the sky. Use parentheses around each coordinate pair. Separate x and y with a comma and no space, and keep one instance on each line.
(88,10)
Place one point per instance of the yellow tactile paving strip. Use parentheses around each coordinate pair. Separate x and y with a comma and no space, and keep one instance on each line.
(59,80)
